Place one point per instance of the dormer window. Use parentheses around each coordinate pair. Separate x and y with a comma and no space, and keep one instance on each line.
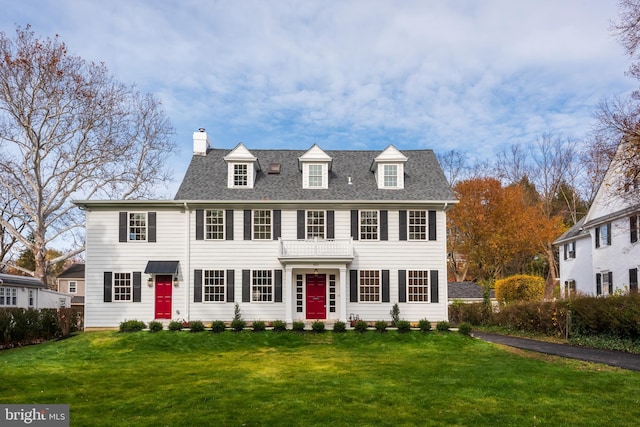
(242,167)
(240,175)
(315,166)
(388,169)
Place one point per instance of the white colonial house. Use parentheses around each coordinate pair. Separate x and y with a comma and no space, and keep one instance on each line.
(29,292)
(287,234)
(600,255)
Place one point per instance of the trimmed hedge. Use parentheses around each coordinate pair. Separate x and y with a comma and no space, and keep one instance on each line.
(21,326)
(520,287)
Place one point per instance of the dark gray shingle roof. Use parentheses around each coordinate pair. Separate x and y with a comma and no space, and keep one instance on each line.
(576,231)
(10,279)
(463,290)
(206,178)
(75,271)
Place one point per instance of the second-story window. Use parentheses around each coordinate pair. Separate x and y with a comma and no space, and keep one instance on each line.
(214,224)
(240,175)
(73,287)
(315,224)
(603,235)
(138,226)
(570,250)
(262,225)
(368,225)
(634,226)
(417,225)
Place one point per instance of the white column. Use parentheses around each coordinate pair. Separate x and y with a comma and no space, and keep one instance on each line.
(343,294)
(288,294)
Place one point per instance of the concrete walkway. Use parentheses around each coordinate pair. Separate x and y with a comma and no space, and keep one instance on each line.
(614,358)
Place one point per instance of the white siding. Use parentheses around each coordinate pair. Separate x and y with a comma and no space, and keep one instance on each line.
(617,258)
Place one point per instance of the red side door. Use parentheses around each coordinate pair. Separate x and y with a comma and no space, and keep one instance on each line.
(316,296)
(163,297)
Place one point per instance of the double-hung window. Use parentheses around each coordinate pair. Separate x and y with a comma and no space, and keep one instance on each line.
(73,287)
(603,235)
(240,175)
(315,224)
(214,224)
(138,226)
(569,288)
(214,286)
(369,286)
(8,296)
(390,176)
(418,285)
(262,225)
(262,286)
(570,250)
(32,298)
(417,223)
(634,226)
(315,176)
(122,287)
(368,225)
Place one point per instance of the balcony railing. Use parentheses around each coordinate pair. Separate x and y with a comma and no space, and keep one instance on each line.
(316,248)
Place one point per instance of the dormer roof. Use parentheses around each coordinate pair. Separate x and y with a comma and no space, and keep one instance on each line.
(240,154)
(389,155)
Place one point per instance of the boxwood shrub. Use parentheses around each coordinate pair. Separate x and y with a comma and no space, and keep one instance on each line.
(218,326)
(132,326)
(279,326)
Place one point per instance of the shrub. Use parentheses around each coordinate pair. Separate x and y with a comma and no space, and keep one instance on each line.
(196,326)
(424,325)
(258,326)
(237,315)
(478,313)
(395,315)
(297,326)
(155,326)
(442,326)
(520,287)
(403,326)
(380,325)
(175,325)
(132,326)
(339,327)
(360,326)
(238,324)
(279,326)
(464,328)
(318,326)
(218,326)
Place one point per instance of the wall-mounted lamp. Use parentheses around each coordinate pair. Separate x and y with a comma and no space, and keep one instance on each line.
(175,281)
(315,272)
(150,281)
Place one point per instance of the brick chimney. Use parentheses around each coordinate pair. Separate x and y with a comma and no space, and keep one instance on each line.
(200,143)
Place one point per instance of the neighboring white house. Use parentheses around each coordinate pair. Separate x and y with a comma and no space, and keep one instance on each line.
(287,234)
(601,253)
(28,292)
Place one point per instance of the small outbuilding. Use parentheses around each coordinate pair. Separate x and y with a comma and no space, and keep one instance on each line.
(29,292)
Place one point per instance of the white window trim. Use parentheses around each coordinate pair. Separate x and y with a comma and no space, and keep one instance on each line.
(7,291)
(426,225)
(379,286)
(75,285)
(207,225)
(307,225)
(400,176)
(231,174)
(113,287)
(224,287)
(253,225)
(360,225)
(272,286)
(306,175)
(428,287)
(146,227)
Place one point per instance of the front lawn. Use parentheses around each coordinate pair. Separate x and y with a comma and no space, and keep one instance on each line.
(246,378)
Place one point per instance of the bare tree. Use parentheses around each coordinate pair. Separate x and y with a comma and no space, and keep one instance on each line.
(68,129)
(511,163)
(8,210)
(454,164)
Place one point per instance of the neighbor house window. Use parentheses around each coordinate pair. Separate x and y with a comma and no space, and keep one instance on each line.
(607,286)
(315,176)
(262,286)
(315,224)
(261,225)
(603,235)
(390,178)
(32,299)
(138,226)
(368,225)
(634,226)
(8,296)
(569,288)
(73,287)
(122,287)
(214,224)
(418,286)
(417,225)
(369,286)
(214,287)
(570,250)
(241,175)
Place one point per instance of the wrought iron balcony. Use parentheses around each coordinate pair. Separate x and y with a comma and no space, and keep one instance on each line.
(316,249)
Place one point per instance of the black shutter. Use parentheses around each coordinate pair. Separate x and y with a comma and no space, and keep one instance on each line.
(228,224)
(353,285)
(152,226)
(246,285)
(277,288)
(355,230)
(277,224)
(402,285)
(247,224)
(432,225)
(384,225)
(402,232)
(608,234)
(107,286)
(434,286)
(633,280)
(597,237)
(610,283)
(598,283)
(331,225)
(122,227)
(565,251)
(385,286)
(633,228)
(199,224)
(231,281)
(300,225)
(197,285)
(137,286)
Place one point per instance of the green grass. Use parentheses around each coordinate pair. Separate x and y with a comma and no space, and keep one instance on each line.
(245,378)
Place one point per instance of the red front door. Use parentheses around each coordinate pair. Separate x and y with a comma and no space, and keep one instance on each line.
(316,296)
(163,297)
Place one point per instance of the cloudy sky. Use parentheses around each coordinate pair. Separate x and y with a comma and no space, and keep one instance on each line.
(467,75)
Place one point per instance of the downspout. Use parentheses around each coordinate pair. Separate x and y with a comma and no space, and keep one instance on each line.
(187,263)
